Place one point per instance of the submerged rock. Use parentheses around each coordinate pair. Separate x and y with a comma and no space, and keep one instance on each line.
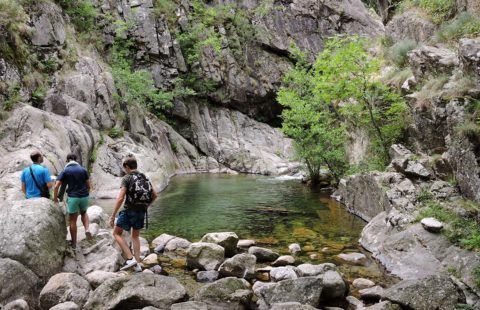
(137,291)
(205,256)
(355,258)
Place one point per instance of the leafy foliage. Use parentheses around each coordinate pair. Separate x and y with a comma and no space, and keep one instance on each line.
(398,52)
(335,93)
(13,96)
(82,13)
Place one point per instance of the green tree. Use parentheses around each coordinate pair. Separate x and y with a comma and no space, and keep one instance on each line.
(334,94)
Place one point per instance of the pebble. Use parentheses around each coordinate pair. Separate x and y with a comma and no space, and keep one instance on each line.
(362,283)
(432,224)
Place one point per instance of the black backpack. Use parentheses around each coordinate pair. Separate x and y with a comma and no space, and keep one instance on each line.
(139,192)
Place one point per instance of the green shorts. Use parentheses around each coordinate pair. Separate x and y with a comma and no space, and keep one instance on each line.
(75,205)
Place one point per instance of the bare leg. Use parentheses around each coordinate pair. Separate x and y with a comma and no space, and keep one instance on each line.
(117,234)
(136,244)
(73,227)
(85,220)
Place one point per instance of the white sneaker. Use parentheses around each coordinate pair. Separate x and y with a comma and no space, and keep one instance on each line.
(137,268)
(129,263)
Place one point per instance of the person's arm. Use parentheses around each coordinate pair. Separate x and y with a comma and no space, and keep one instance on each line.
(48,178)
(89,185)
(118,204)
(24,189)
(55,190)
(154,194)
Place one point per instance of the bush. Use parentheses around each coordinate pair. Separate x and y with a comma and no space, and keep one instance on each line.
(398,52)
(115,132)
(464,25)
(13,32)
(82,13)
(13,96)
(438,10)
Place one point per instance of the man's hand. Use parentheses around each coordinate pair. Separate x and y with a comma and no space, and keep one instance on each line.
(112,221)
(55,200)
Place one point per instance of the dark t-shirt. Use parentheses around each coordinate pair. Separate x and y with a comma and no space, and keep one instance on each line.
(75,177)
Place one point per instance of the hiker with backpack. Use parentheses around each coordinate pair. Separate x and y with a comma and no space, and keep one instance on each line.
(138,193)
(36,179)
(78,186)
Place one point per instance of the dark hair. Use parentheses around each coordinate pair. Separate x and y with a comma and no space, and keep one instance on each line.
(130,162)
(35,156)
(71,156)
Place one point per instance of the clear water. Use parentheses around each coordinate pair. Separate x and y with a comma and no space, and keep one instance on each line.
(272,211)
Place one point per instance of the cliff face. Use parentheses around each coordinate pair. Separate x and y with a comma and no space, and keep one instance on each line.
(79,108)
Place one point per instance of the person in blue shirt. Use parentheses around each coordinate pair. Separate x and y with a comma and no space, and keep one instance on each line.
(41,175)
(77,180)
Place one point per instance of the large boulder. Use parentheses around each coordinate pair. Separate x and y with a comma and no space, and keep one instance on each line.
(137,291)
(64,287)
(205,256)
(97,277)
(101,254)
(283,273)
(305,290)
(16,281)
(334,286)
(309,270)
(229,293)
(228,240)
(469,54)
(240,266)
(48,26)
(33,233)
(169,243)
(410,25)
(434,292)
(429,61)
(263,254)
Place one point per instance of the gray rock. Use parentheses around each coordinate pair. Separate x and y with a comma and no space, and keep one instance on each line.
(205,256)
(207,276)
(362,283)
(263,254)
(434,292)
(431,224)
(151,259)
(430,61)
(354,303)
(284,273)
(230,293)
(97,277)
(245,244)
(157,269)
(284,260)
(18,304)
(416,169)
(294,248)
(410,25)
(42,248)
(354,258)
(240,266)
(384,305)
(291,306)
(372,293)
(168,243)
(137,291)
(228,240)
(334,287)
(98,216)
(302,290)
(69,305)
(469,54)
(16,281)
(64,287)
(309,270)
(49,26)
(190,305)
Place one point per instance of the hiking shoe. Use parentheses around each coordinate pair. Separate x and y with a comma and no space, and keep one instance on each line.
(89,235)
(129,263)
(137,268)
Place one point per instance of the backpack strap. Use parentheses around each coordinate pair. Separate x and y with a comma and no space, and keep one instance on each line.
(34,179)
